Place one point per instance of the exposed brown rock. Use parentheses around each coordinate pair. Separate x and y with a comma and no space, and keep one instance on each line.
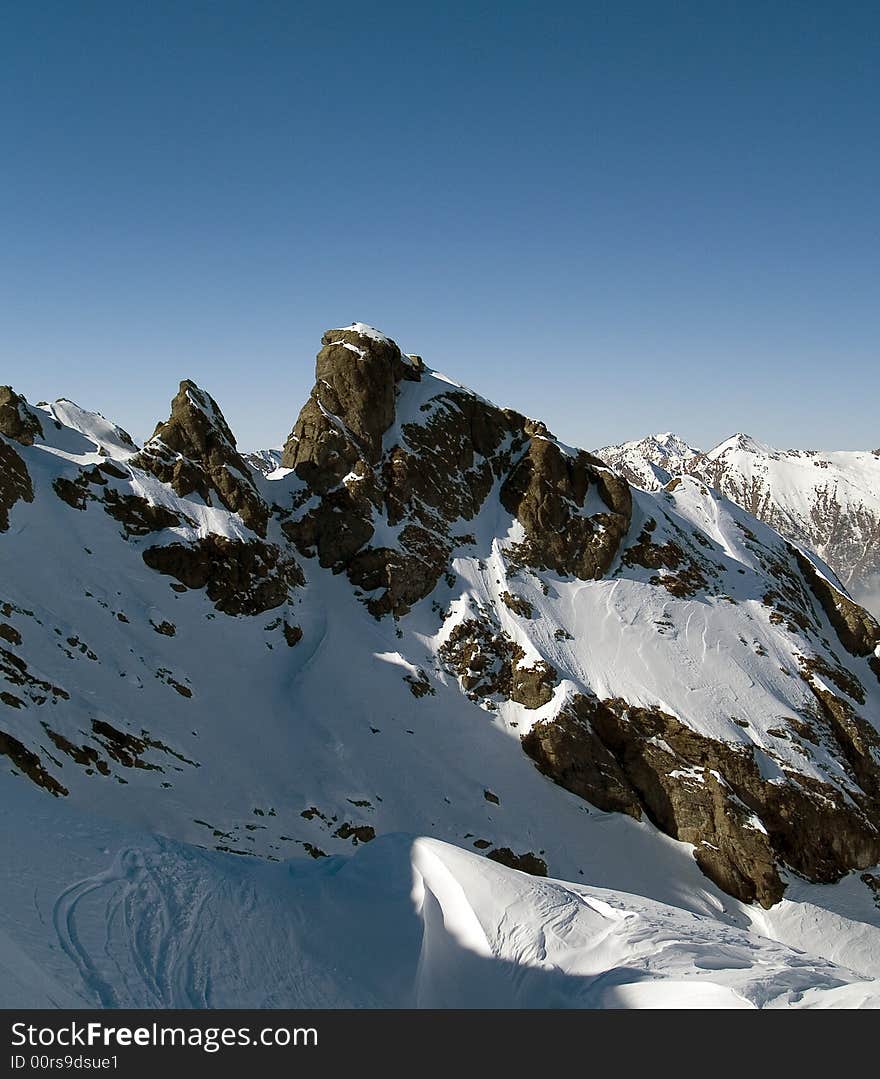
(195,452)
(684,576)
(858,631)
(858,740)
(487,663)
(351,407)
(567,750)
(832,672)
(401,577)
(525,863)
(15,482)
(357,833)
(128,749)
(139,517)
(434,472)
(109,469)
(75,493)
(336,529)
(419,684)
(518,604)
(713,794)
(85,755)
(37,690)
(241,577)
(28,762)
(18,420)
(545,491)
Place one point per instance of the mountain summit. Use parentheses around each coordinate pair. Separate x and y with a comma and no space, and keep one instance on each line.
(650,462)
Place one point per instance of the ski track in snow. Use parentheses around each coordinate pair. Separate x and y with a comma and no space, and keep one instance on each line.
(159,932)
(408,922)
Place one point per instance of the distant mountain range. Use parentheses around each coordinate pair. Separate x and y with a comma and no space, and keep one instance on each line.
(826,501)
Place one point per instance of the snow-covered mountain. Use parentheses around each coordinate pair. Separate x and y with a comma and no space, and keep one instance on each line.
(828,502)
(651,461)
(432,619)
(264,461)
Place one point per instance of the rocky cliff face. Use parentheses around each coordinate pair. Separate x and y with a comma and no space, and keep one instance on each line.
(18,420)
(18,423)
(434,616)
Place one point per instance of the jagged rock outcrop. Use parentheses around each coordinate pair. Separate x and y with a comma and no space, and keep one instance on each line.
(683,570)
(136,515)
(546,491)
(859,631)
(350,408)
(15,482)
(714,794)
(489,664)
(20,423)
(18,420)
(569,751)
(195,452)
(240,577)
(415,479)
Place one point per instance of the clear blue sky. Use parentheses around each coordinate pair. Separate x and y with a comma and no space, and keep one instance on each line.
(620,217)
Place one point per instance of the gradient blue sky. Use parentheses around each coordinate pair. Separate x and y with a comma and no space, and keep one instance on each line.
(619,217)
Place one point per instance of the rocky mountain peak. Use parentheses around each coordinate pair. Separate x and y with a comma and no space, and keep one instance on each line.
(195,452)
(396,454)
(744,444)
(196,427)
(351,406)
(17,419)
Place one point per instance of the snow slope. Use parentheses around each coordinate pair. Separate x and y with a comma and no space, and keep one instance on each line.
(107,918)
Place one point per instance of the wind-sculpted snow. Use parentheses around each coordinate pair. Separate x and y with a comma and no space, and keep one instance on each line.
(434,586)
(114,920)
